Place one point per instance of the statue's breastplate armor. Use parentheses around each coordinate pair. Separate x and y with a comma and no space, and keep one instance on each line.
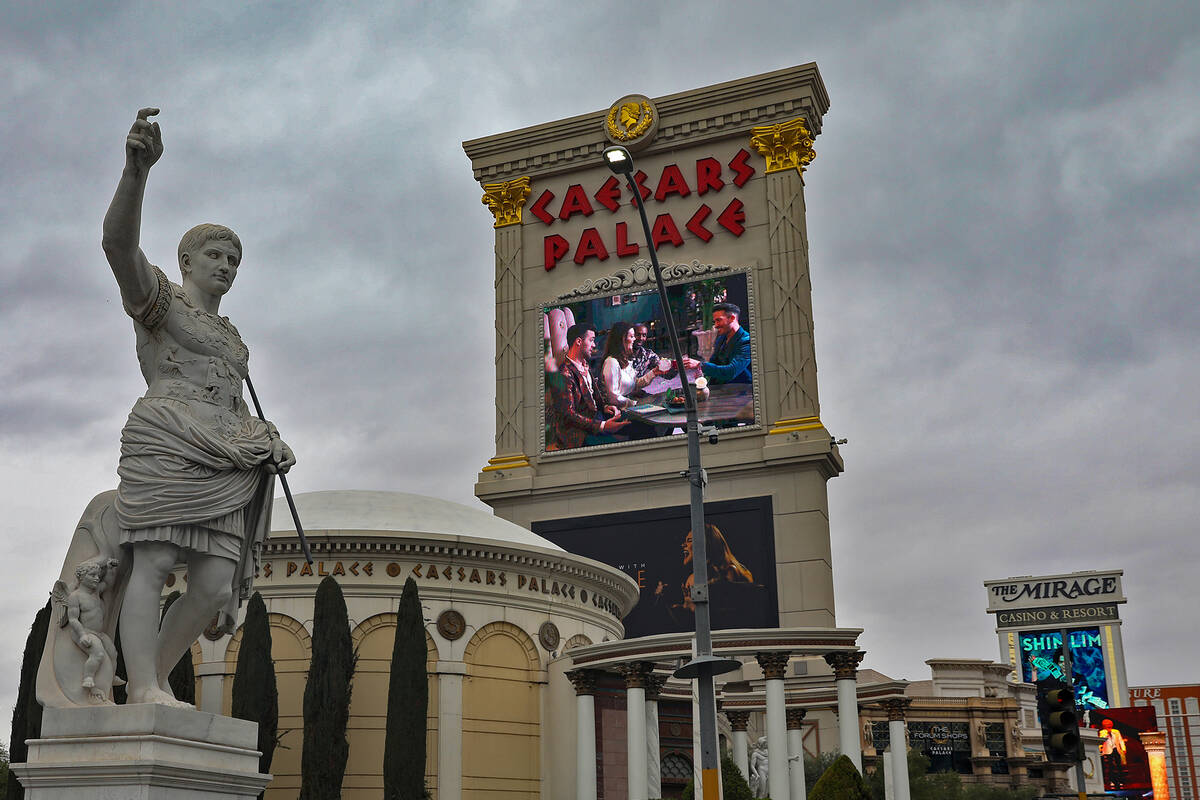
(194,356)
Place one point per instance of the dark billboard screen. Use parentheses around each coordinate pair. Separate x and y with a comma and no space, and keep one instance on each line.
(1122,756)
(620,383)
(654,548)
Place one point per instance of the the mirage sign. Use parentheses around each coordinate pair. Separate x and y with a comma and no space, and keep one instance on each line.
(1077,588)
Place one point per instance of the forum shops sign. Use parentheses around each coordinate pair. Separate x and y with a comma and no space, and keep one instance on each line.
(1055,601)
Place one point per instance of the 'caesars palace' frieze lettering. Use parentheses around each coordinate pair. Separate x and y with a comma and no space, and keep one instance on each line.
(702,222)
(448,572)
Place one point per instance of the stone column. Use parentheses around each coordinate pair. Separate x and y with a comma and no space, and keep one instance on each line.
(845,671)
(654,684)
(795,734)
(889,792)
(584,681)
(898,738)
(788,148)
(739,721)
(450,711)
(506,201)
(774,665)
(636,674)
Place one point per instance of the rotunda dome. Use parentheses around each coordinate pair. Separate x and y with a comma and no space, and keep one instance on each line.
(334,512)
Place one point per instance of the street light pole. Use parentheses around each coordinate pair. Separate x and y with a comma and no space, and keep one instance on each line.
(704,665)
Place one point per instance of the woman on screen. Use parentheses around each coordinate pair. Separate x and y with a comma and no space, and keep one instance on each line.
(723,566)
(617,371)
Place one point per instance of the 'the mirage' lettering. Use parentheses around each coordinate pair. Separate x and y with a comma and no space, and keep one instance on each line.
(1049,590)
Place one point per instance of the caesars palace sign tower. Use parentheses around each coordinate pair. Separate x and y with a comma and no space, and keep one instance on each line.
(721,171)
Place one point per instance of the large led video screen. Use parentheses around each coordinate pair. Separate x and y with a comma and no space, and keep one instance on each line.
(1123,758)
(654,547)
(1041,657)
(619,382)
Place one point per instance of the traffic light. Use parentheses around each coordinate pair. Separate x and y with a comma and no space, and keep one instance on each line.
(1060,724)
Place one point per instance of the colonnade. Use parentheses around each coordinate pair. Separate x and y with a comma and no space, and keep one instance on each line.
(785,751)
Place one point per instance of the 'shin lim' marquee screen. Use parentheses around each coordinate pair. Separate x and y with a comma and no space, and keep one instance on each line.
(1041,657)
(631,371)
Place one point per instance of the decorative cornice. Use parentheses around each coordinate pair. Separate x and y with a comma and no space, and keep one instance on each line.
(639,275)
(698,115)
(787,145)
(739,720)
(506,199)
(795,718)
(845,665)
(774,664)
(669,647)
(637,674)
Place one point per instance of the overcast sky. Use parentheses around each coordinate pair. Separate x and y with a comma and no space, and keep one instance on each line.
(1004,248)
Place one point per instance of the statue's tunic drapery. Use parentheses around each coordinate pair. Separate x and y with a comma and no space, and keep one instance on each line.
(191,453)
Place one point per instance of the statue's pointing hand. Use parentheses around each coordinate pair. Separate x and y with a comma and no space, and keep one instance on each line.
(143,145)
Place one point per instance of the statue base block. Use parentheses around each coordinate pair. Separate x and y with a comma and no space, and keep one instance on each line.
(141,752)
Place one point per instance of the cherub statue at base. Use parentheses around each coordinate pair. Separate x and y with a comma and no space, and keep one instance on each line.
(82,612)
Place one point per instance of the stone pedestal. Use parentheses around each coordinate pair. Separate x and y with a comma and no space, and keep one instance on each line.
(141,752)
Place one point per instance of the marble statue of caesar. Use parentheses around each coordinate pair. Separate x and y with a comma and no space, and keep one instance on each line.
(196,468)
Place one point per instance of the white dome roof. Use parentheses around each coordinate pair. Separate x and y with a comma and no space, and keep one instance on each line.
(353,510)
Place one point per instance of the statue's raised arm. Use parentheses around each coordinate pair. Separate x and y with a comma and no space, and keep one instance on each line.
(123,222)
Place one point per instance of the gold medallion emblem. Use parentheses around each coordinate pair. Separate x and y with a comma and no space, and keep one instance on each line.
(631,121)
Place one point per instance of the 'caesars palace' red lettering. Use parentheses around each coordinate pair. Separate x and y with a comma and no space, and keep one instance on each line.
(664,230)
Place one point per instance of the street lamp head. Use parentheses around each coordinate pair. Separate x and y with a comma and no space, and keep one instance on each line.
(618,159)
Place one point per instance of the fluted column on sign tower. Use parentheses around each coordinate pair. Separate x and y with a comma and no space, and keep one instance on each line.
(787,148)
(506,200)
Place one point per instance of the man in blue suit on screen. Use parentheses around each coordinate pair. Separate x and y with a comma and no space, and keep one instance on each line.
(731,351)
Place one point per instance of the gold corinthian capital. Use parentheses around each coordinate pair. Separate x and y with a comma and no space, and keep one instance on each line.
(506,200)
(788,145)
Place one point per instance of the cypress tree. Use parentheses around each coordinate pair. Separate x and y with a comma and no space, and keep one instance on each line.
(27,713)
(327,697)
(182,678)
(255,693)
(408,703)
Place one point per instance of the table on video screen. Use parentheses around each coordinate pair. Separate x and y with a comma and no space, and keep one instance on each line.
(727,403)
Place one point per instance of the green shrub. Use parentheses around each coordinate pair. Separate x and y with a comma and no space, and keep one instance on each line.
(733,783)
(840,782)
